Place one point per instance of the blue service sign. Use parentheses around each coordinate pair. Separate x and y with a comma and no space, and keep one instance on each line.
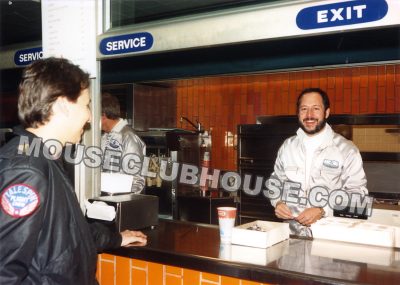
(126,43)
(341,14)
(26,56)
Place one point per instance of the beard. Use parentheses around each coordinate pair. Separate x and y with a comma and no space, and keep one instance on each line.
(320,125)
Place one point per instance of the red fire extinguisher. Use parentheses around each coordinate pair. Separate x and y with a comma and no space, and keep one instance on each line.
(205,162)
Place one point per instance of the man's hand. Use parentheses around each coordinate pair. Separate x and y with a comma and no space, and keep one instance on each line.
(282,211)
(309,216)
(128,237)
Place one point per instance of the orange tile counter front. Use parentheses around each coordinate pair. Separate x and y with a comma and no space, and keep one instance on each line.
(189,253)
(117,270)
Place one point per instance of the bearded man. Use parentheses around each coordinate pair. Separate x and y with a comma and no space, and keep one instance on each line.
(315,160)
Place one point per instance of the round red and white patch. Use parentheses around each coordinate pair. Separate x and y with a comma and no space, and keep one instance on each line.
(19,200)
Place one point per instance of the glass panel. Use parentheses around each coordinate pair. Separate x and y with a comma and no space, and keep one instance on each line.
(20,22)
(125,12)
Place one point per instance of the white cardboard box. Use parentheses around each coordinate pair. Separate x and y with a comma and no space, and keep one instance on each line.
(260,256)
(269,234)
(356,231)
(377,255)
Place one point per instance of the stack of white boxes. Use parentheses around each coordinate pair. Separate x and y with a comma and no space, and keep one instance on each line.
(357,231)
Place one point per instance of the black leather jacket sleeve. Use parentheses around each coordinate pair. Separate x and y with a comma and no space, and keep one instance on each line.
(19,235)
(104,238)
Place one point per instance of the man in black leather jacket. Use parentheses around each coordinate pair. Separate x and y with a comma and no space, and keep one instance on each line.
(44,236)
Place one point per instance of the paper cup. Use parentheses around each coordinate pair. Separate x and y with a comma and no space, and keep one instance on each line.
(226,218)
(225,251)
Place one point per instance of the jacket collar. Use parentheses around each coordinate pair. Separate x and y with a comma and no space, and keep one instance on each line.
(327,136)
(120,125)
(20,131)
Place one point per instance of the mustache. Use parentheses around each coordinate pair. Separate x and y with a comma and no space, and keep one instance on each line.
(310,119)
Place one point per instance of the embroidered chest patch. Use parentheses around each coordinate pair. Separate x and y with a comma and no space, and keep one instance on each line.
(331,163)
(19,200)
(113,143)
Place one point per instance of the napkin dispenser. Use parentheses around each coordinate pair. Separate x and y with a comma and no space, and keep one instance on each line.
(132,211)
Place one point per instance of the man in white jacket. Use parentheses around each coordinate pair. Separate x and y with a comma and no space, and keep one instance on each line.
(315,166)
(123,151)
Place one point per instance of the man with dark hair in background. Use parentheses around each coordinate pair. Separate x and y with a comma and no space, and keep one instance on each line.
(118,141)
(44,236)
(315,157)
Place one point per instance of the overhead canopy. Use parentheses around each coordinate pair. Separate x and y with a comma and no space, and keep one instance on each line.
(376,45)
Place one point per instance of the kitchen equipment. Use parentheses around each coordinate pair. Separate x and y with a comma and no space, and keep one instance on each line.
(133,211)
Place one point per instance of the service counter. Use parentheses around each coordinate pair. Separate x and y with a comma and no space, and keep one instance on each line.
(189,253)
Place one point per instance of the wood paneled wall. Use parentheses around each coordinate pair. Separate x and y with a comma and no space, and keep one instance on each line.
(221,103)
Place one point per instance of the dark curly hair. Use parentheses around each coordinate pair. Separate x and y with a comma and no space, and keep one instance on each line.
(42,83)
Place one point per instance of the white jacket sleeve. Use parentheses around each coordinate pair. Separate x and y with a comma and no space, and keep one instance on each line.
(132,144)
(277,178)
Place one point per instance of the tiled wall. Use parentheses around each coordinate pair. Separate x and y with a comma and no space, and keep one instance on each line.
(221,103)
(154,107)
(116,270)
(376,139)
